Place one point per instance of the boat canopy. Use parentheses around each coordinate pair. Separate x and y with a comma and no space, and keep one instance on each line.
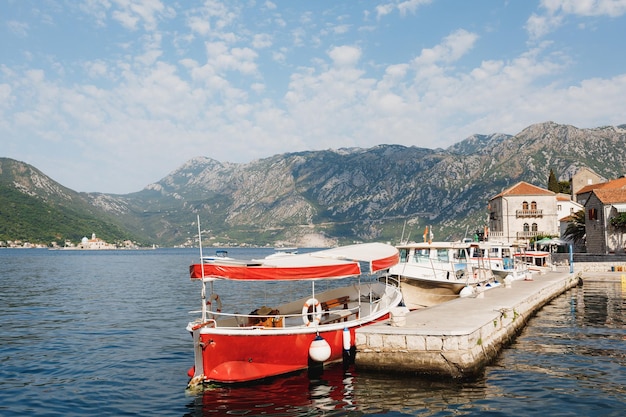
(437,245)
(341,262)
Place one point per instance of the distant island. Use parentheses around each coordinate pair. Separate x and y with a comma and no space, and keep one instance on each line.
(93,243)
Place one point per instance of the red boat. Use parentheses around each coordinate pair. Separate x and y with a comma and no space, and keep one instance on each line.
(281,339)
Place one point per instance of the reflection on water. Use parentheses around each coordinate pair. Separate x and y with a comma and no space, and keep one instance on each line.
(296,395)
(86,334)
(571,358)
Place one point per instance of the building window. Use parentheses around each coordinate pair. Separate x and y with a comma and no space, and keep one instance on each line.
(525,205)
(526,227)
(534,227)
(593,214)
(533,205)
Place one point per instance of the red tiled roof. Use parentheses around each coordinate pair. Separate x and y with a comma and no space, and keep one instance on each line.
(618,183)
(611,196)
(524,188)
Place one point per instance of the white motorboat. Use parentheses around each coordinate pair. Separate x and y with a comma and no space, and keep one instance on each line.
(430,273)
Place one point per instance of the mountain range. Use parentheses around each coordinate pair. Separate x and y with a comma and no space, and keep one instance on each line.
(312,198)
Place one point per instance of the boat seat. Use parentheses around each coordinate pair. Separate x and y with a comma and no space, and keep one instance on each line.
(335,302)
(333,316)
(336,316)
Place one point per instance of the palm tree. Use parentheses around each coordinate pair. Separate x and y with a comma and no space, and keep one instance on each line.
(576,228)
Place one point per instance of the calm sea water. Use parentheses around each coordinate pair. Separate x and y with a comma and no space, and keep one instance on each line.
(103,333)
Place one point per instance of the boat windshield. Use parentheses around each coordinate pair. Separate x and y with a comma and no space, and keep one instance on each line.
(442,255)
(421,255)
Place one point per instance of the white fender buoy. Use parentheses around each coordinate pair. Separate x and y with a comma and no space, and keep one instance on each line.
(466,291)
(319,350)
(346,339)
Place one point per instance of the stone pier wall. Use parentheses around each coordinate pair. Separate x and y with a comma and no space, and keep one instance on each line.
(451,354)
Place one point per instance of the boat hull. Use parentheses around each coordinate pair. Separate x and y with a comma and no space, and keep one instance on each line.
(418,293)
(244,358)
(230,350)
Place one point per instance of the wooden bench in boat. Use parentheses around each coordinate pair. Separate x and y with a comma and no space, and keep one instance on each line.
(336,302)
(337,315)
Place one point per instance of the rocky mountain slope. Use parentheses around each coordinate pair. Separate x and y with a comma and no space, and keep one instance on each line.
(338,196)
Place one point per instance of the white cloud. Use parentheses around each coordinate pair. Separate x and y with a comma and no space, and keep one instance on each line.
(453,47)
(130,12)
(128,20)
(222,59)
(18,28)
(96,69)
(410,6)
(383,10)
(199,25)
(262,40)
(556,11)
(345,56)
(540,25)
(404,7)
(611,8)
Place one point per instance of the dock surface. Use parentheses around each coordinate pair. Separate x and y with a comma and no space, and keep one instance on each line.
(457,338)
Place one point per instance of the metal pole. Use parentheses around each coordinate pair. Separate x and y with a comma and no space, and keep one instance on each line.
(202,266)
(571,259)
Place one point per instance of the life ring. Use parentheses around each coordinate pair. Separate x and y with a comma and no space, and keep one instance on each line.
(317,308)
(218,301)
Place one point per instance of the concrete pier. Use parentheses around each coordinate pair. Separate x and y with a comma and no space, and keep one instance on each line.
(460,337)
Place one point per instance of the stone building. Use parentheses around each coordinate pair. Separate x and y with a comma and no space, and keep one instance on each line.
(522,212)
(583,178)
(603,202)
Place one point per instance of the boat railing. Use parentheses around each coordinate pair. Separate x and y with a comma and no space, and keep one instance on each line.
(392,280)
(207,323)
(279,320)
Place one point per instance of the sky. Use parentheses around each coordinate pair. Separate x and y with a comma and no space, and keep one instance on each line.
(113,95)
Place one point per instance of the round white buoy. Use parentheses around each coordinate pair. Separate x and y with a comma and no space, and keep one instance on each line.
(319,350)
(346,339)
(466,291)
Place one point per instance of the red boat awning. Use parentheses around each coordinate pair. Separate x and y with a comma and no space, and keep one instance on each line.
(341,262)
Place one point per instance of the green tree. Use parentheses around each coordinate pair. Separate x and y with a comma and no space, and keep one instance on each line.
(576,228)
(619,221)
(553,184)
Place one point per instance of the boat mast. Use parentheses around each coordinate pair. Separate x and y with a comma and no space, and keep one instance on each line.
(202,265)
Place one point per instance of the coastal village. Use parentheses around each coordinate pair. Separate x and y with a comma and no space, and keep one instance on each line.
(93,243)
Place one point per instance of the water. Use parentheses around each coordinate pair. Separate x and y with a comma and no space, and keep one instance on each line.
(102,333)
